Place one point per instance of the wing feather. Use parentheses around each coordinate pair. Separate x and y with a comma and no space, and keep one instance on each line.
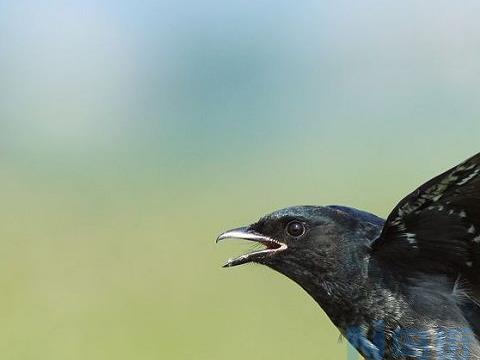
(436,228)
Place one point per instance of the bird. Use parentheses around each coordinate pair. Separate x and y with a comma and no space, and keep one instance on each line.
(404,287)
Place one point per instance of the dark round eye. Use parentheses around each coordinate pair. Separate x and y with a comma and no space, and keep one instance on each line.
(295,229)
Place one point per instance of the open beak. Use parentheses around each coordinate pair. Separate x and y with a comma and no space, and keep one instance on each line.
(245,233)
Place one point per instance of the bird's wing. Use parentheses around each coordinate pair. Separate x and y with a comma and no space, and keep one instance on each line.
(437,227)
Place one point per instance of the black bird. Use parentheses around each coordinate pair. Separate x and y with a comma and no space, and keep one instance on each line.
(407,287)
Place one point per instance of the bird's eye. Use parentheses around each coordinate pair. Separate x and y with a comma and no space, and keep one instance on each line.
(295,229)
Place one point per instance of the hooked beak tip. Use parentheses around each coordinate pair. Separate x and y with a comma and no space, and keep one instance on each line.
(220,238)
(238,233)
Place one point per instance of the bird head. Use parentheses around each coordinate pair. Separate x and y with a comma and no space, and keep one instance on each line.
(306,242)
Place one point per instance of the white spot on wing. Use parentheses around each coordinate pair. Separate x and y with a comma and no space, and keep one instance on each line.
(410,238)
(468,178)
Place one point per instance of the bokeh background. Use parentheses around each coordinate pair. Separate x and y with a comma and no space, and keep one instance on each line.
(133,132)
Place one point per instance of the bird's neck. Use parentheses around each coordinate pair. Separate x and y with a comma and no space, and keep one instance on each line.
(351,302)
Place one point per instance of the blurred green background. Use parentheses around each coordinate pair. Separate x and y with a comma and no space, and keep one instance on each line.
(132,133)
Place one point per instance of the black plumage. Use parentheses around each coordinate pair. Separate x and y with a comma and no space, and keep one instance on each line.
(407,287)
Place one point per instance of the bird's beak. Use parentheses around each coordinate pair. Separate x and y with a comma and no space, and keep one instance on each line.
(246,233)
